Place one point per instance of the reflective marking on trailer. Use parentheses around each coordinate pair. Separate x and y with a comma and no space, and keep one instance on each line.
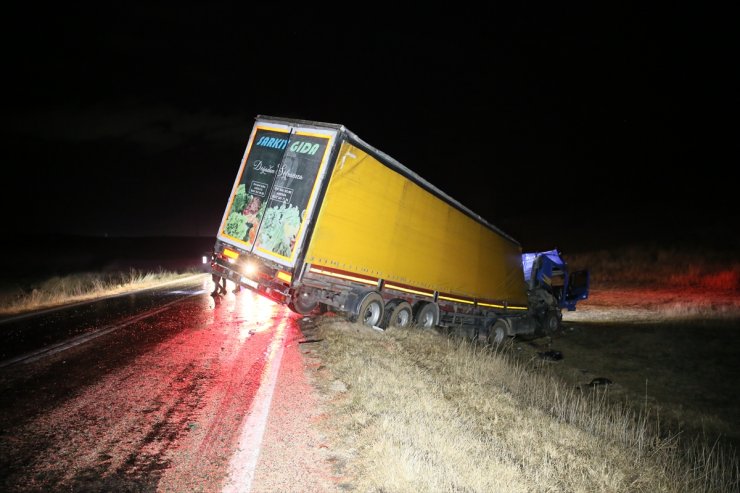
(493,305)
(344,276)
(408,290)
(459,300)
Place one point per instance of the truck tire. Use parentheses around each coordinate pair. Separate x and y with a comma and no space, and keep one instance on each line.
(427,315)
(397,314)
(551,322)
(498,332)
(303,302)
(480,335)
(371,310)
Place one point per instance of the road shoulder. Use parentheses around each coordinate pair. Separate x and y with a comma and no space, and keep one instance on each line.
(296,456)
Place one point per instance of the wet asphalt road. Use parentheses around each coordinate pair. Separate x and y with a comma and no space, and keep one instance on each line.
(24,334)
(144,392)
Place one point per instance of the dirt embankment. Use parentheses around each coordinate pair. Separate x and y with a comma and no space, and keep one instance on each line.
(668,349)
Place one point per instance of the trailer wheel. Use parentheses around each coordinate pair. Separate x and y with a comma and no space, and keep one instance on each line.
(303,302)
(371,310)
(497,333)
(397,314)
(551,323)
(426,315)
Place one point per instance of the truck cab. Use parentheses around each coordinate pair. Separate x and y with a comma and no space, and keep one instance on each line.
(551,287)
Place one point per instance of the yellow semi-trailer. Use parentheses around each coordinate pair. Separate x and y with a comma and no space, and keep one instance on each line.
(319,219)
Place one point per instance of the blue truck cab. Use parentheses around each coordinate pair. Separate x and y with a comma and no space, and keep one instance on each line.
(548,270)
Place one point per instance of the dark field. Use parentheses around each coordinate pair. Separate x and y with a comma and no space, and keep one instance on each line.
(44,257)
(687,372)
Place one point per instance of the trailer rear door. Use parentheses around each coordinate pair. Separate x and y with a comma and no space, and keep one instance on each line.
(276,189)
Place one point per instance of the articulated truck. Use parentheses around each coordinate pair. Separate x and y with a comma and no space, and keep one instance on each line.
(320,220)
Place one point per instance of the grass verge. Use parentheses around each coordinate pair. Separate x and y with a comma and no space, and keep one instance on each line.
(420,411)
(56,291)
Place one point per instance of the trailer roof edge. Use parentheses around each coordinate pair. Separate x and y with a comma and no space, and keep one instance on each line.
(393,163)
(429,186)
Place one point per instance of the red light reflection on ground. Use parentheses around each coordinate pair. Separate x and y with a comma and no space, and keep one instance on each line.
(257,308)
(246,330)
(243,463)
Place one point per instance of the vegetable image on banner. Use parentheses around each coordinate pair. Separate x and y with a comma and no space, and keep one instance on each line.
(250,198)
(290,193)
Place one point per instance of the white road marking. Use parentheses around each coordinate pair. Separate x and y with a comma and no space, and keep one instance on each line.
(244,461)
(81,339)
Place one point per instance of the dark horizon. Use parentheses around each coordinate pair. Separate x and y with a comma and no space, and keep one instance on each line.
(132,121)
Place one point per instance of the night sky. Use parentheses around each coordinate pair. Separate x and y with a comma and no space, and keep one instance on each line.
(132,121)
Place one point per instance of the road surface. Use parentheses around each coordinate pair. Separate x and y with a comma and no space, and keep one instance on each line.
(164,390)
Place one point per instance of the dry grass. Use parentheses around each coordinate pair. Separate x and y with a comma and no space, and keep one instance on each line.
(425,412)
(636,304)
(655,266)
(651,283)
(58,291)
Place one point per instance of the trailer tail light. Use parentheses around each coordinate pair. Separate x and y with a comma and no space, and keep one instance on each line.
(230,254)
(284,276)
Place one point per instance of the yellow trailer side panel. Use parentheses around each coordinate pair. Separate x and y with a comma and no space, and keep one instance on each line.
(376,221)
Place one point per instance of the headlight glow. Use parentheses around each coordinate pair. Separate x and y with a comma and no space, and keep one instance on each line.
(250,269)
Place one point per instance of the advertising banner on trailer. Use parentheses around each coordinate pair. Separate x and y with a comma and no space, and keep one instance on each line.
(276,190)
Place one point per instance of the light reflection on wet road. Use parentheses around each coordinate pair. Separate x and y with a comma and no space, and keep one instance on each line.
(156,402)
